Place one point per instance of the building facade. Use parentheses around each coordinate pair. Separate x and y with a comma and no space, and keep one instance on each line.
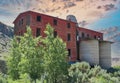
(73,35)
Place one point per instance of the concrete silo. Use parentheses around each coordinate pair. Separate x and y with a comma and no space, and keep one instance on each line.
(105,54)
(89,51)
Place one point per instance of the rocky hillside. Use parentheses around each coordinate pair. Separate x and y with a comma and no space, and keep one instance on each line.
(6,34)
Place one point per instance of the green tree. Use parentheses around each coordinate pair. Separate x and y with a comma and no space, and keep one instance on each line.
(13,60)
(26,57)
(55,55)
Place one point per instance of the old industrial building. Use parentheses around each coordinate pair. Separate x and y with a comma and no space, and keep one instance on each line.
(82,44)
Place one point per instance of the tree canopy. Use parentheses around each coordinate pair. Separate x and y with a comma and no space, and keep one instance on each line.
(26,56)
(38,57)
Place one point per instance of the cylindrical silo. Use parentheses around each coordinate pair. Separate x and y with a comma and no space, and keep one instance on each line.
(89,51)
(105,54)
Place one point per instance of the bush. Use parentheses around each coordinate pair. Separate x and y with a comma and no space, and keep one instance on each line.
(3,78)
(82,73)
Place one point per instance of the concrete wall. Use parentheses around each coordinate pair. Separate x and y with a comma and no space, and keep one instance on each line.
(89,51)
(105,54)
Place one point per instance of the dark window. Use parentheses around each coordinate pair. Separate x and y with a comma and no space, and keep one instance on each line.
(68,25)
(22,21)
(19,22)
(83,35)
(55,33)
(37,32)
(19,33)
(95,37)
(88,36)
(68,37)
(69,52)
(39,18)
(55,22)
(99,37)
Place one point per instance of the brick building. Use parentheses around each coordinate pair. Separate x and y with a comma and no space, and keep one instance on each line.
(65,29)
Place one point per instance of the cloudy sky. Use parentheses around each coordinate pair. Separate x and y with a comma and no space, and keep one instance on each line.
(100,15)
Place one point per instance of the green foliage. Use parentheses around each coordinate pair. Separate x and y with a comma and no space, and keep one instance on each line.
(117,75)
(79,72)
(38,57)
(31,55)
(55,55)
(26,57)
(24,78)
(82,73)
(3,78)
(13,60)
(117,68)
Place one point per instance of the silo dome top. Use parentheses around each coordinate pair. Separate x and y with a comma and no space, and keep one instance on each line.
(71,18)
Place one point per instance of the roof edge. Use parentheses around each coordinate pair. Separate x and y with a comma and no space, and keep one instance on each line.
(91,30)
(41,14)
